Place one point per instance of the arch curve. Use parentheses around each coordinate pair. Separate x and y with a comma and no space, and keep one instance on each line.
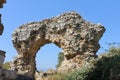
(77,37)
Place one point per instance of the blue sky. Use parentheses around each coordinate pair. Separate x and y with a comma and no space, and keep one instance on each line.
(18,12)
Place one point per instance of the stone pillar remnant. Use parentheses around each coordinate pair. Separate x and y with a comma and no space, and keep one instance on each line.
(2,58)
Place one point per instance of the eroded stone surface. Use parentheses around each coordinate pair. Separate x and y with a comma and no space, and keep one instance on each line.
(69,31)
(2,58)
(2,2)
(4,73)
(1,25)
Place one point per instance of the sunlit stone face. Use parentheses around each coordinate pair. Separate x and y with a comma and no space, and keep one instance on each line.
(76,37)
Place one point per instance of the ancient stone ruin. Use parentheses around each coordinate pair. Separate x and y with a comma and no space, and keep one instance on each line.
(4,74)
(1,25)
(69,31)
(2,53)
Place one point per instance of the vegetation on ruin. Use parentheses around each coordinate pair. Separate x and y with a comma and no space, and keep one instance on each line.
(60,59)
(6,65)
(105,67)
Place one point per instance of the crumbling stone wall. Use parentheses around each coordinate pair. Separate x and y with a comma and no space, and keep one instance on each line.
(69,31)
(2,2)
(1,25)
(4,74)
(2,53)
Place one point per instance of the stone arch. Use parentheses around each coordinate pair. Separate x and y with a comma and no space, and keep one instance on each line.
(47,57)
(78,39)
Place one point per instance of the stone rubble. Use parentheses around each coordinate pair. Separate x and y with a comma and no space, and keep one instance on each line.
(5,74)
(69,31)
(43,75)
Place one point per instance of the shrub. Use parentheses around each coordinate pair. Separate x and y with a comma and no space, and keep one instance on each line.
(60,59)
(6,65)
(105,67)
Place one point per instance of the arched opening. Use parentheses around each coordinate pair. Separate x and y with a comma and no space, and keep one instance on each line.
(47,57)
(77,37)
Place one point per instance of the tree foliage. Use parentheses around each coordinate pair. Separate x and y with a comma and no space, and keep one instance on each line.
(6,65)
(105,67)
(60,59)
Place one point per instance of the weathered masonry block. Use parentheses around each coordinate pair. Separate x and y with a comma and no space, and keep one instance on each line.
(1,25)
(69,31)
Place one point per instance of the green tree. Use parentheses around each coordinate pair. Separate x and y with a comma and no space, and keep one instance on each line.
(105,67)
(60,59)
